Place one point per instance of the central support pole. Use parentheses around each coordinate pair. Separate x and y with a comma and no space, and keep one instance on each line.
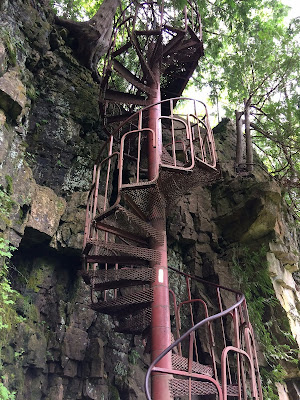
(160,322)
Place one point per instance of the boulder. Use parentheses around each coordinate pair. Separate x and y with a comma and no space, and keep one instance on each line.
(46,210)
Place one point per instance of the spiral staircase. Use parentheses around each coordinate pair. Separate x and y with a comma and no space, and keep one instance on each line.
(159,146)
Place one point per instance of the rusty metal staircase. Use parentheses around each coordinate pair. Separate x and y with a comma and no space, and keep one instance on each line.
(119,248)
(154,155)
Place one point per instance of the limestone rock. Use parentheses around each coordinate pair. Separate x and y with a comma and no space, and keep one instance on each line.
(75,343)
(69,366)
(46,210)
(2,58)
(2,118)
(37,351)
(12,94)
(288,257)
(70,231)
(56,389)
(96,352)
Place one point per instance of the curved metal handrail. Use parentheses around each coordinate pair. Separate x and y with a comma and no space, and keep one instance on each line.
(184,336)
(114,133)
(197,278)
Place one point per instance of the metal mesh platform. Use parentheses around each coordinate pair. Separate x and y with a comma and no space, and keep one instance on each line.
(135,323)
(180,388)
(112,249)
(154,199)
(174,184)
(117,278)
(125,303)
(181,363)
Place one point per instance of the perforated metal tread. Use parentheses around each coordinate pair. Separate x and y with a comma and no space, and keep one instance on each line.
(118,278)
(125,303)
(130,222)
(111,249)
(180,388)
(135,323)
(147,198)
(181,363)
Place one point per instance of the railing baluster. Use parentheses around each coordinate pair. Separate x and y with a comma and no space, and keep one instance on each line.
(177,322)
(105,291)
(223,329)
(116,290)
(192,316)
(173,142)
(138,158)
(240,370)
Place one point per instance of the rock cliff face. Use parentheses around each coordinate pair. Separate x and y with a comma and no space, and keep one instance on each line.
(50,134)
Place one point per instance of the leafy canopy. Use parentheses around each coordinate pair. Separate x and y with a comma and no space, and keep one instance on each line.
(250,54)
(253,55)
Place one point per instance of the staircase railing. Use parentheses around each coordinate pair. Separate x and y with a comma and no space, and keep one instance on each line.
(234,359)
(186,137)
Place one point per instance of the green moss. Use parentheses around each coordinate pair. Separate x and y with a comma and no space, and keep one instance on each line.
(6,202)
(31,93)
(120,369)
(133,357)
(114,393)
(28,309)
(9,46)
(35,279)
(270,323)
(9,185)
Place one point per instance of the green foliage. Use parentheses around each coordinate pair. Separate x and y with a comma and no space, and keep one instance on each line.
(8,314)
(6,203)
(78,10)
(252,54)
(5,394)
(133,357)
(9,46)
(251,272)
(8,296)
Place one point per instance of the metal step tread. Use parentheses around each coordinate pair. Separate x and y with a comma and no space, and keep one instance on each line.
(147,198)
(180,387)
(117,249)
(132,221)
(181,363)
(140,299)
(116,278)
(135,323)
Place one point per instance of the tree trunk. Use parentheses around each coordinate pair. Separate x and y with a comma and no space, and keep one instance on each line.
(249,148)
(239,138)
(93,36)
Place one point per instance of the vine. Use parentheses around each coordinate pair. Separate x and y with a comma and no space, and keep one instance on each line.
(251,271)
